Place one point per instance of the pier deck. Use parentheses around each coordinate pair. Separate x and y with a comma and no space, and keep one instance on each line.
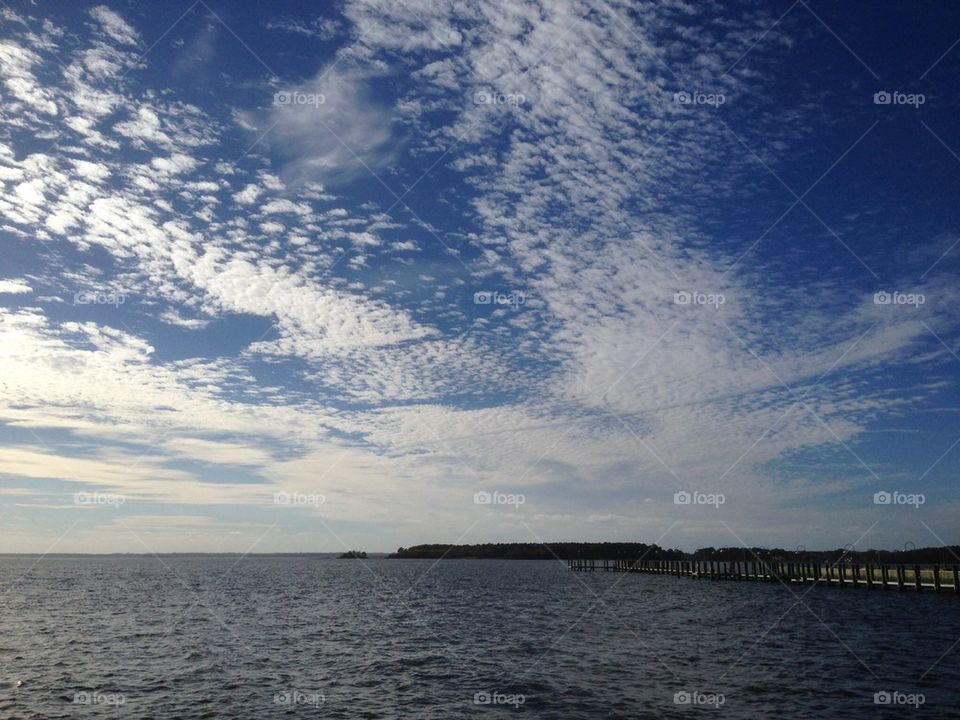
(872,576)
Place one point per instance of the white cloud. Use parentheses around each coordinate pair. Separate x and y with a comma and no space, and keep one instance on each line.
(285,206)
(248,195)
(30,192)
(16,65)
(322,28)
(339,131)
(114,25)
(223,453)
(15,287)
(176,164)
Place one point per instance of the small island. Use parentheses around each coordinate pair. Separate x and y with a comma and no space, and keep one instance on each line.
(353,555)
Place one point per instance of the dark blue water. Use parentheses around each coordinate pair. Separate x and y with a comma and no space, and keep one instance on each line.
(264,637)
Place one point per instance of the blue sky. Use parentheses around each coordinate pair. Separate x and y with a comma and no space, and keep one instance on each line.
(280,277)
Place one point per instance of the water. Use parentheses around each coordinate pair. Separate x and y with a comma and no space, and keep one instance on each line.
(263,637)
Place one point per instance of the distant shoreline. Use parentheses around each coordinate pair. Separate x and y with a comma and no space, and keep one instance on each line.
(947,555)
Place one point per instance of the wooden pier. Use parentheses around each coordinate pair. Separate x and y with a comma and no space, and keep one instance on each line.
(872,576)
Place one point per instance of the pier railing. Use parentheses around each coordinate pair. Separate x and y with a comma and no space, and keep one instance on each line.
(872,576)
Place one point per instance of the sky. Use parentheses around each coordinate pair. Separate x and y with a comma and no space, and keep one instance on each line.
(283,277)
